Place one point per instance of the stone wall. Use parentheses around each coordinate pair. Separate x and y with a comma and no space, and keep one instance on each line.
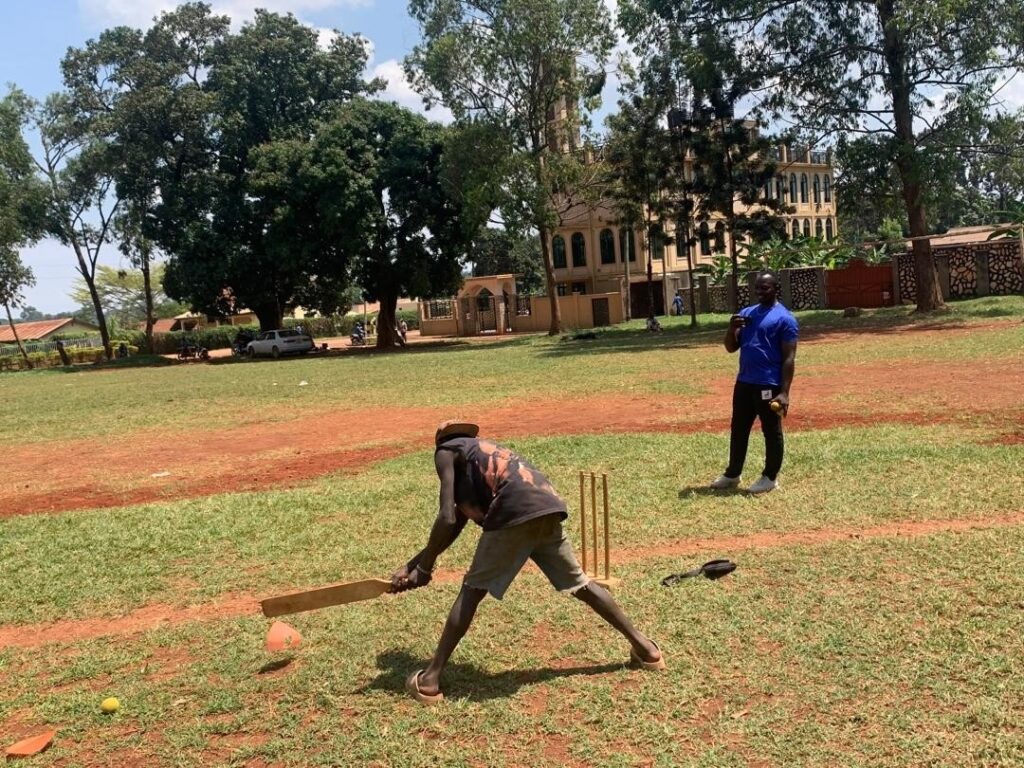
(806,289)
(971,269)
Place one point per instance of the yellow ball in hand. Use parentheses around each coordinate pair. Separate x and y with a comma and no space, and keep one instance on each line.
(776,406)
(110,705)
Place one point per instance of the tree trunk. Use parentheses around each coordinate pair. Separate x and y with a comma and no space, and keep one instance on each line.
(269,315)
(735,272)
(97,306)
(21,347)
(148,290)
(387,333)
(929,295)
(689,272)
(625,266)
(549,279)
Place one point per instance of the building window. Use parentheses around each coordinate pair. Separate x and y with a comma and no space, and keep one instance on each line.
(720,237)
(657,243)
(607,240)
(768,190)
(803,187)
(828,225)
(627,245)
(579,250)
(792,187)
(560,289)
(579,287)
(780,188)
(796,229)
(817,189)
(807,228)
(705,239)
(558,252)
(818,230)
(828,189)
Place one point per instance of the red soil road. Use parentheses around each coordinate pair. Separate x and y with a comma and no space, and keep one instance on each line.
(114,473)
(154,616)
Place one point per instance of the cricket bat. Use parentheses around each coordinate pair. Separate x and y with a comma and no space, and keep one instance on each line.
(335,594)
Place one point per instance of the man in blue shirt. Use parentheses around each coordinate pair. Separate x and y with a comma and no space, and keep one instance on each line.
(765,335)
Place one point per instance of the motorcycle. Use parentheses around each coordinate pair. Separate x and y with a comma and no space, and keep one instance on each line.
(240,346)
(358,336)
(193,352)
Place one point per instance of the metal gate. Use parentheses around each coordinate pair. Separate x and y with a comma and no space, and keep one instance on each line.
(859,285)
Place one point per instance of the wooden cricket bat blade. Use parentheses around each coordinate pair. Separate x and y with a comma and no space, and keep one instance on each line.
(335,594)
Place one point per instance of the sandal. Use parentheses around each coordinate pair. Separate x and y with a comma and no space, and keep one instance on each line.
(412,685)
(651,666)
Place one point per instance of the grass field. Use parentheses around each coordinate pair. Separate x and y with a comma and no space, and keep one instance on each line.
(875,618)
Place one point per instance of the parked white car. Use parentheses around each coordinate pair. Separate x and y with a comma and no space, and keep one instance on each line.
(281,342)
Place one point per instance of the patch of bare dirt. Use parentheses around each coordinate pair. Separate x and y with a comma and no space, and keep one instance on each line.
(153,466)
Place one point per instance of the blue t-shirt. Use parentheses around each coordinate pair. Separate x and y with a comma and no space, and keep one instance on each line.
(761,343)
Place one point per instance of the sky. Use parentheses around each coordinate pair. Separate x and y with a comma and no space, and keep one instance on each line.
(35,34)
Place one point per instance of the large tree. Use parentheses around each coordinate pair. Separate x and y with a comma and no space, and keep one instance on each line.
(526,73)
(225,99)
(887,67)
(143,92)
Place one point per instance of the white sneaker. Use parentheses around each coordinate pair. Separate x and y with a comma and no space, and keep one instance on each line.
(763,485)
(722,482)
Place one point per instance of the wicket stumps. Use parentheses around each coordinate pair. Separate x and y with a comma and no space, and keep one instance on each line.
(591,565)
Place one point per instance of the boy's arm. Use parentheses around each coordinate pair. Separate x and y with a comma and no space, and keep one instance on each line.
(445,530)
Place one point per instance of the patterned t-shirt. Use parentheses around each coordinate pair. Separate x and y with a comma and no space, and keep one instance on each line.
(507,488)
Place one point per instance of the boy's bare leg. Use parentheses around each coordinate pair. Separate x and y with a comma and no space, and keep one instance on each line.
(604,605)
(459,619)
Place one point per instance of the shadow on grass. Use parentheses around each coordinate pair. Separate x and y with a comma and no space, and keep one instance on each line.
(704,490)
(467,681)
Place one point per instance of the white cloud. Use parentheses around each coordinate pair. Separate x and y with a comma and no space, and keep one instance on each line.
(401,91)
(140,13)
(325,36)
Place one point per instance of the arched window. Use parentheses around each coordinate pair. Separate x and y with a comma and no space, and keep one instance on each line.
(627,246)
(828,189)
(657,243)
(768,190)
(558,252)
(796,229)
(705,239)
(780,188)
(818,229)
(807,227)
(607,240)
(817,189)
(828,225)
(579,250)
(720,237)
(484,300)
(792,187)
(803,187)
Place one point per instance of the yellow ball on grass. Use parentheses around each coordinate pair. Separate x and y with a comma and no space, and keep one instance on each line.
(110,705)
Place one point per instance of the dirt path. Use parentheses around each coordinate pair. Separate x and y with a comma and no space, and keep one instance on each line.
(155,616)
(152,466)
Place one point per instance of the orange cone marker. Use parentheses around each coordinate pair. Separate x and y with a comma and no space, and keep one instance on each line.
(282,637)
(32,745)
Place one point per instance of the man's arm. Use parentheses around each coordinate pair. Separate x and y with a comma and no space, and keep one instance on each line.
(788,369)
(732,333)
(446,529)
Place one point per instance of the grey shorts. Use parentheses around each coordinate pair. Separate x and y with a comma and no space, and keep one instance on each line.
(501,554)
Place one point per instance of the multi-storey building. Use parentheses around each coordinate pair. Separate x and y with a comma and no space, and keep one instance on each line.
(592,253)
